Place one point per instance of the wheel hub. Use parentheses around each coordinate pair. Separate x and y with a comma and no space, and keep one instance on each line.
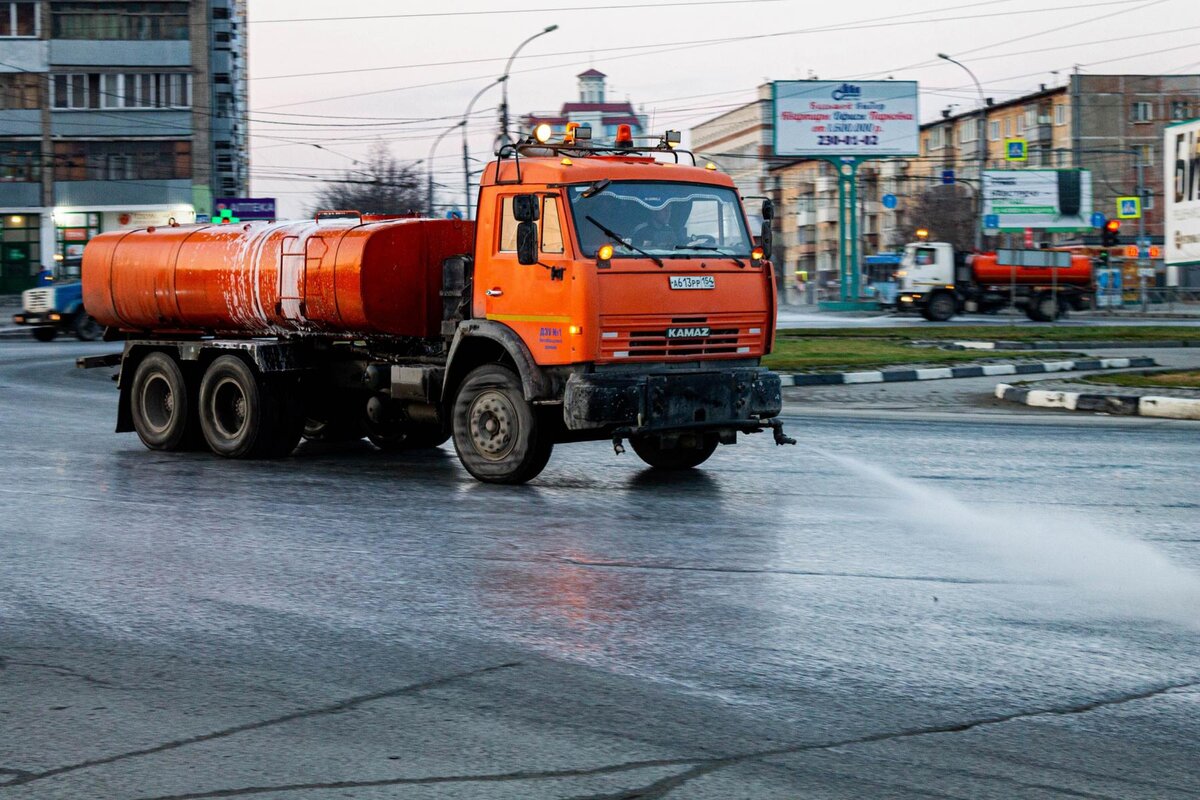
(493,425)
(229,407)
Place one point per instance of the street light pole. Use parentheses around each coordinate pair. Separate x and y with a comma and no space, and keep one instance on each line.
(503,138)
(982,134)
(429,168)
(465,150)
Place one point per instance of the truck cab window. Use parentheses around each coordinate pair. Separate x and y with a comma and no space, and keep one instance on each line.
(508,226)
(552,237)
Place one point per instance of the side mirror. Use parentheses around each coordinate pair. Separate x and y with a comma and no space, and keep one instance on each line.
(527,249)
(525,208)
(766,238)
(768,209)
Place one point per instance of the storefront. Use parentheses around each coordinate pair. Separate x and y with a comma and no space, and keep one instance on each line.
(20,251)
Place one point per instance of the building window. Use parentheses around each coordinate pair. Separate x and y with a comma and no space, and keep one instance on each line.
(122,90)
(966,131)
(18,20)
(1142,112)
(19,90)
(123,160)
(1060,114)
(20,162)
(1020,124)
(1145,155)
(1179,109)
(936,139)
(994,130)
(123,21)
(220,13)
(1030,117)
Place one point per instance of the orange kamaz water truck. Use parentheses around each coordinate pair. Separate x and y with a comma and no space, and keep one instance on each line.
(605,292)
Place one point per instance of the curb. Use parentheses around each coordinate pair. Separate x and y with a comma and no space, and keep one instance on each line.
(941,373)
(1058,345)
(16,333)
(1126,405)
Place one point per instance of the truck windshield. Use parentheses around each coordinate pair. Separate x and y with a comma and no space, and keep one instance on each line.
(666,220)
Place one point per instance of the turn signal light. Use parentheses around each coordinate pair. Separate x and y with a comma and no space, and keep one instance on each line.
(624,136)
(604,253)
(756,254)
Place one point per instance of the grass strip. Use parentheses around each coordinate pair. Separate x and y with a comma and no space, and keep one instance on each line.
(1007,333)
(1179,379)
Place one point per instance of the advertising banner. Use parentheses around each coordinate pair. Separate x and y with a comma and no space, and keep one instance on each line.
(246,207)
(845,118)
(1040,199)
(1182,232)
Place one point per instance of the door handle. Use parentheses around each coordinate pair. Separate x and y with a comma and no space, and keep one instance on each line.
(497,292)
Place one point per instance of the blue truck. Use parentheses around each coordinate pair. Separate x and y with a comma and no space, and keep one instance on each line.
(57,307)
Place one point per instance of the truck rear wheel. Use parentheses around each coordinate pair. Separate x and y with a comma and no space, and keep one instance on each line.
(161,404)
(45,334)
(1042,308)
(688,451)
(496,432)
(86,328)
(245,415)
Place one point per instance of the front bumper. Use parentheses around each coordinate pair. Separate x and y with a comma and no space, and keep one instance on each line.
(739,399)
(41,319)
(908,301)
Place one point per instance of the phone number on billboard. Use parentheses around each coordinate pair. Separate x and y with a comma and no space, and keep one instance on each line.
(844,141)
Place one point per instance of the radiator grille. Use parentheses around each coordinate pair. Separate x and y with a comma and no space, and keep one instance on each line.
(38,299)
(644,337)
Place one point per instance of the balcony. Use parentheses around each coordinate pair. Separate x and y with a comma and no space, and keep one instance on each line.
(1042,134)
(806,218)
(825,185)
(827,214)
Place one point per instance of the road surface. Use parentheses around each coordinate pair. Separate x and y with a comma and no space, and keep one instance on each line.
(901,609)
(809,317)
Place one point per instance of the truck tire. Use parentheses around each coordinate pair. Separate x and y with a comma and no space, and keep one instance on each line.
(245,415)
(86,328)
(161,404)
(686,453)
(940,307)
(497,434)
(1042,308)
(45,334)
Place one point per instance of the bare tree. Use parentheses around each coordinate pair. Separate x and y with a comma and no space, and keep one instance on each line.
(381,185)
(947,212)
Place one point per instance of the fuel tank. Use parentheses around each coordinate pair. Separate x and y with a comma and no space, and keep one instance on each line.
(346,276)
(987,269)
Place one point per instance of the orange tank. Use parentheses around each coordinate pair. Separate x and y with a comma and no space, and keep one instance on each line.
(987,270)
(338,276)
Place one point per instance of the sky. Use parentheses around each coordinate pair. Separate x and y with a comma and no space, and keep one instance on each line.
(330,80)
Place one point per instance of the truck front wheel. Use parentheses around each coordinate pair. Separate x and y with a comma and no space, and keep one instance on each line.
(86,328)
(940,307)
(45,334)
(685,452)
(161,404)
(244,415)
(496,432)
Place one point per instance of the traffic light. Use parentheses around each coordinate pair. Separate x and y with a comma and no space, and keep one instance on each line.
(1111,236)
(1102,258)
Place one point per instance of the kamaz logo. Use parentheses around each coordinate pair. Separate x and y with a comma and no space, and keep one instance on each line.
(847,91)
(687,333)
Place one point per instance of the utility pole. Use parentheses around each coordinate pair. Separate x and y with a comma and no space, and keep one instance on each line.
(1141,234)
(429,168)
(466,153)
(981,132)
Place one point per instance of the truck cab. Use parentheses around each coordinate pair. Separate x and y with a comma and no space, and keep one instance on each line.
(926,280)
(56,306)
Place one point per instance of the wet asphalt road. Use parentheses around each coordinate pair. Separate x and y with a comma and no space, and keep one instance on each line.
(777,625)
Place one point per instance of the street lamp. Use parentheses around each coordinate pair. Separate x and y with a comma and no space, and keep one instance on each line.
(503,138)
(465,149)
(982,133)
(429,167)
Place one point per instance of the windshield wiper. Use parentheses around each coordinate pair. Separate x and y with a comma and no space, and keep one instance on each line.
(630,245)
(716,250)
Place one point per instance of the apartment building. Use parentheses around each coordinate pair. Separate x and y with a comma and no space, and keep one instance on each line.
(114,115)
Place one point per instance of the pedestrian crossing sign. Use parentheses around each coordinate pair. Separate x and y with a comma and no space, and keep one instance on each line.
(1016,150)
(1129,207)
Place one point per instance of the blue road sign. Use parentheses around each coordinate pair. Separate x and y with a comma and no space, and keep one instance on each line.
(1143,241)
(1016,150)
(1129,207)
(947,176)
(1098,219)
(889,201)
(991,221)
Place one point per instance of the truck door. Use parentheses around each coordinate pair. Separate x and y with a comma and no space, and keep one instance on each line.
(533,300)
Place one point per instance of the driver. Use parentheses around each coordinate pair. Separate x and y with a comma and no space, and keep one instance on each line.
(656,231)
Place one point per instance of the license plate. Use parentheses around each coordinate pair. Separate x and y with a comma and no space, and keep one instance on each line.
(687,333)
(693,282)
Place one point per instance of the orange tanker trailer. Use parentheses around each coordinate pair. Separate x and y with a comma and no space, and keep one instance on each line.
(600,296)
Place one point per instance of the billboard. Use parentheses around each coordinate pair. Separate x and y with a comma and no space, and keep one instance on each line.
(845,118)
(1182,222)
(1041,199)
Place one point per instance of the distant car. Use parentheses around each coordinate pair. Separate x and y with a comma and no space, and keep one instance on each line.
(57,308)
